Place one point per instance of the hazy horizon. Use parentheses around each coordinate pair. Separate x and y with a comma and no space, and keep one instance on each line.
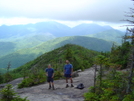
(68,12)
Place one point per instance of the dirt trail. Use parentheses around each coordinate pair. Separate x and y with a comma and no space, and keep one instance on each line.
(41,92)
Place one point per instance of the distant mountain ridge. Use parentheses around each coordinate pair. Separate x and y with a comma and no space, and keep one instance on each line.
(54,28)
(85,29)
(109,35)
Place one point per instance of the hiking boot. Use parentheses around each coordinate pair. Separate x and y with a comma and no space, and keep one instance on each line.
(72,85)
(67,86)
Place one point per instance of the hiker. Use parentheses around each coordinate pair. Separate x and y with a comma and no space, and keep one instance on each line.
(50,76)
(68,70)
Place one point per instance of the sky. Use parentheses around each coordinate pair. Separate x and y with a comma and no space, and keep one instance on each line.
(69,12)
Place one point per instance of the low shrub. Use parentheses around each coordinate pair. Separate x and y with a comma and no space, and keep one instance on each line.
(33,79)
(8,94)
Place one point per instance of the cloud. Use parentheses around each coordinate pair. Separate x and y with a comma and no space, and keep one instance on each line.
(69,10)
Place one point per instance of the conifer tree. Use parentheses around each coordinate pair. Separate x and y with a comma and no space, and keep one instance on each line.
(8,76)
(69,55)
(130,35)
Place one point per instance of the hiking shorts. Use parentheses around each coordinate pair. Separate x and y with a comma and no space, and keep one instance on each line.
(67,75)
(50,79)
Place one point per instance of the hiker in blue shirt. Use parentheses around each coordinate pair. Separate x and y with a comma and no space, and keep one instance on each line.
(68,70)
(50,76)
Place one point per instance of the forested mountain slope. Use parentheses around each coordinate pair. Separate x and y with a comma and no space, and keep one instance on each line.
(25,55)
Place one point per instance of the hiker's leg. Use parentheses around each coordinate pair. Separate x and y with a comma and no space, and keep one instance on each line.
(49,85)
(53,85)
(71,81)
(48,80)
(66,75)
(67,82)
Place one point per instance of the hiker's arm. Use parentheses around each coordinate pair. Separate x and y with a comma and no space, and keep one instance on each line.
(46,74)
(53,75)
(64,70)
(71,71)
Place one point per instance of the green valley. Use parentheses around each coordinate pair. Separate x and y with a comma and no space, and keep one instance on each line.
(23,56)
(13,44)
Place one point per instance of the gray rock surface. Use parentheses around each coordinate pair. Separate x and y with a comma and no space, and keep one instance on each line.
(41,92)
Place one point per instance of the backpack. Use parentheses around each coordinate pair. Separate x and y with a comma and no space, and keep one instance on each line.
(80,86)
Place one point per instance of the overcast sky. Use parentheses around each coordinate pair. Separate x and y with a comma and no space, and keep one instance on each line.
(66,11)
